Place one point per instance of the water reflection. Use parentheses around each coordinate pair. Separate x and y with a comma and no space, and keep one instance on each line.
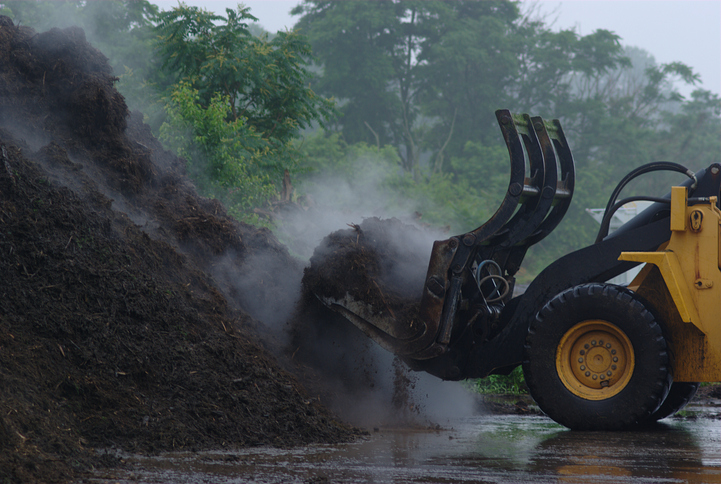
(663,453)
(479,449)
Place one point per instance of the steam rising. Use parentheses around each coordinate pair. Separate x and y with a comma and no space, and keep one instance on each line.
(335,200)
(365,384)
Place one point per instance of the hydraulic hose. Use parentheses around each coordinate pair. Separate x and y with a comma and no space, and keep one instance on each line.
(612,206)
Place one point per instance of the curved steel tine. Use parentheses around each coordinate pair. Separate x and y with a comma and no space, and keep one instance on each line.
(543,161)
(516,183)
(554,139)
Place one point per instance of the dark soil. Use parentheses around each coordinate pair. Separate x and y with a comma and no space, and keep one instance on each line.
(124,321)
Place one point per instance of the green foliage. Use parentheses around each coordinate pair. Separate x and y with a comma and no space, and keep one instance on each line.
(485,170)
(263,81)
(511,384)
(227,159)
(427,76)
(329,154)
(382,60)
(617,120)
(243,98)
(356,42)
(345,177)
(693,134)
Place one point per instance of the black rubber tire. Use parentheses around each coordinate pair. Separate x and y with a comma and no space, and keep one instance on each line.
(650,378)
(678,397)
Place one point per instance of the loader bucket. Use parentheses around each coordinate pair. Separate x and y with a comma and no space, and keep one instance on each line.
(470,277)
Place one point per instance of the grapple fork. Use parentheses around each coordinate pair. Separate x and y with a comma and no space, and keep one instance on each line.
(470,276)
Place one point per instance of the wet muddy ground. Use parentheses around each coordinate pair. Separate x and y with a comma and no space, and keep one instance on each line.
(483,448)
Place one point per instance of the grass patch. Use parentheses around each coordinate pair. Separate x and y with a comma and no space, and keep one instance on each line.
(511,384)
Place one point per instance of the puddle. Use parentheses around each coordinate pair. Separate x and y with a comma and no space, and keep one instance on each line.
(498,449)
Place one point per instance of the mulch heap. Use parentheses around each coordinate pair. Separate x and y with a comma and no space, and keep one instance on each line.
(112,332)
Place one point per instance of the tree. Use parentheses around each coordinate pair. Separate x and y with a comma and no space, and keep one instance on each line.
(264,81)
(609,115)
(693,134)
(516,63)
(362,57)
(226,159)
(235,102)
(617,120)
(374,58)
(427,76)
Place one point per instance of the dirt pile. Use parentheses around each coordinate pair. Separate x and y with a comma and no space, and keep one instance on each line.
(124,297)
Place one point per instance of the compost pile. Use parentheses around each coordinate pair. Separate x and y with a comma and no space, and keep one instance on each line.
(121,320)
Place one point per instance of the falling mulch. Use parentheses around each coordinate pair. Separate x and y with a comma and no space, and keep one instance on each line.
(122,320)
(374,262)
(381,262)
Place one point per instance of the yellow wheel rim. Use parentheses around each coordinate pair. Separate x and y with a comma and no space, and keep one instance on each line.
(595,360)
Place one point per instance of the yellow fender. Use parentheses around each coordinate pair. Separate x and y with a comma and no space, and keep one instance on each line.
(690,303)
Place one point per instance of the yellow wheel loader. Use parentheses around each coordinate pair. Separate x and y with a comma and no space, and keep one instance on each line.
(595,355)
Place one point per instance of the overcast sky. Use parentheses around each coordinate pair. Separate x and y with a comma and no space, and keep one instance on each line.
(671,30)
